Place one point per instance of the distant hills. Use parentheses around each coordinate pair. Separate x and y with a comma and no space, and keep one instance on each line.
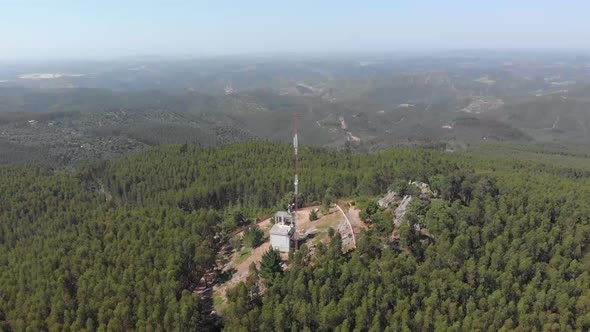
(73,112)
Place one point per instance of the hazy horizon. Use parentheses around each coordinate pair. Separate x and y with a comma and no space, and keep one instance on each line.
(66,29)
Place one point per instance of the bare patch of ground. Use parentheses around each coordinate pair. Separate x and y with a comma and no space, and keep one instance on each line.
(353,216)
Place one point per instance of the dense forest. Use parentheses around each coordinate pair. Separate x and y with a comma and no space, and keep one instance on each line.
(120,245)
(510,251)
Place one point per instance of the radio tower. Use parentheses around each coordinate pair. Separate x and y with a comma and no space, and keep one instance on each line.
(295,145)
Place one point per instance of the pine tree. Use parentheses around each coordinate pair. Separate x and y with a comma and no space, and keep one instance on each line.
(313,215)
(253,236)
(270,267)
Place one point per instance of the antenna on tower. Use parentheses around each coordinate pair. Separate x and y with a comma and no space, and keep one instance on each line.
(295,146)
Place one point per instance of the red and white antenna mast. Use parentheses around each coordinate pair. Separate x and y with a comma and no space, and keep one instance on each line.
(295,146)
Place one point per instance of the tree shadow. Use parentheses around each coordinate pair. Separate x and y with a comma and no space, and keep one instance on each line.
(224,276)
(328,213)
(308,237)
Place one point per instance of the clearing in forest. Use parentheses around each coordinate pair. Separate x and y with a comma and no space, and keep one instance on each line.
(309,233)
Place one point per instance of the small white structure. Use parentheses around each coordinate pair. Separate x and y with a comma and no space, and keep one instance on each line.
(283,231)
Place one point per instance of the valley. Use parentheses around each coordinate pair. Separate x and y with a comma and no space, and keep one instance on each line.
(341,105)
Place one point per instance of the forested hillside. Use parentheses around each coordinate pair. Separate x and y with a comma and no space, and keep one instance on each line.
(508,250)
(114,108)
(121,244)
(106,109)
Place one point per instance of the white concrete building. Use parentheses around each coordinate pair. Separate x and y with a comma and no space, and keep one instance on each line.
(283,231)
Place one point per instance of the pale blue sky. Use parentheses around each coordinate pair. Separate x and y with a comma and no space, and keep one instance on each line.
(80,28)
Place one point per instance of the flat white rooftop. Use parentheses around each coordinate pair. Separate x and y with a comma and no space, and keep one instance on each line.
(278,229)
